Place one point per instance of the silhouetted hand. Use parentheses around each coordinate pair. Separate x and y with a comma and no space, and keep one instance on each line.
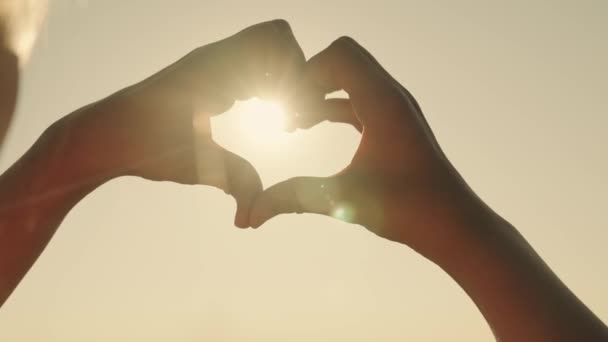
(159,129)
(402,187)
(399,184)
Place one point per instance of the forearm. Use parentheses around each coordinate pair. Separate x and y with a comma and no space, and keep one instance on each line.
(38,191)
(518,294)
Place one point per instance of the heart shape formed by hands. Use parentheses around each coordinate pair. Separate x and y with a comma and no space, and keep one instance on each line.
(256,130)
(399,184)
(397,161)
(170,112)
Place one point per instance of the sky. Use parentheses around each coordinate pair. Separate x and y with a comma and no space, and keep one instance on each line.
(515,92)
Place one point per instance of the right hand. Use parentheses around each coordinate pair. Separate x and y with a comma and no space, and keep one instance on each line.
(399,184)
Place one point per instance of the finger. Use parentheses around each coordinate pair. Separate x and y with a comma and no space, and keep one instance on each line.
(406,94)
(269,58)
(225,170)
(297,195)
(244,184)
(285,65)
(383,71)
(332,110)
(386,74)
(343,66)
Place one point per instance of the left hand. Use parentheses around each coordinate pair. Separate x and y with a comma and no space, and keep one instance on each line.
(159,129)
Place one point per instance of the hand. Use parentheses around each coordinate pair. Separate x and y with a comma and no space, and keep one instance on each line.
(399,184)
(159,128)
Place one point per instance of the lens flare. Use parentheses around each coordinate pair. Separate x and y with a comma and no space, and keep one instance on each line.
(344,212)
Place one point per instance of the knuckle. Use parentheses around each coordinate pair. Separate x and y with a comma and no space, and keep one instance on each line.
(270,35)
(343,47)
(345,44)
(281,25)
(346,40)
(342,44)
(392,96)
(275,28)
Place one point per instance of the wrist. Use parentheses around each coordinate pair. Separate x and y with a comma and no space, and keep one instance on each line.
(83,150)
(134,132)
(459,224)
(50,174)
(69,161)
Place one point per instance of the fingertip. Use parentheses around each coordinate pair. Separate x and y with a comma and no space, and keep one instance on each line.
(245,186)
(255,215)
(262,211)
(255,224)
(241,220)
(245,211)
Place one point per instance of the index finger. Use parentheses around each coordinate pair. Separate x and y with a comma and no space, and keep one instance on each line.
(344,66)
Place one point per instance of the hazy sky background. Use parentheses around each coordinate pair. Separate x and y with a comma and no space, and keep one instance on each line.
(516,93)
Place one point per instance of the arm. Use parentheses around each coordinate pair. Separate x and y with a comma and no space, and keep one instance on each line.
(157,129)
(402,187)
(518,294)
(36,193)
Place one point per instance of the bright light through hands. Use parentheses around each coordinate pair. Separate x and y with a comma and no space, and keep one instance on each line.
(254,129)
(261,122)
(254,126)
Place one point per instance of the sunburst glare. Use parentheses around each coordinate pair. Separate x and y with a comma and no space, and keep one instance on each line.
(261,121)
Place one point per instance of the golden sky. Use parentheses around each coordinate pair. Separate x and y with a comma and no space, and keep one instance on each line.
(515,91)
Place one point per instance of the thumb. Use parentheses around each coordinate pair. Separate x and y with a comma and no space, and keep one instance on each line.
(233,174)
(297,195)
(312,113)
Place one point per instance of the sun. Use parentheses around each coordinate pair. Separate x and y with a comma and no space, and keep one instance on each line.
(255,128)
(261,121)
